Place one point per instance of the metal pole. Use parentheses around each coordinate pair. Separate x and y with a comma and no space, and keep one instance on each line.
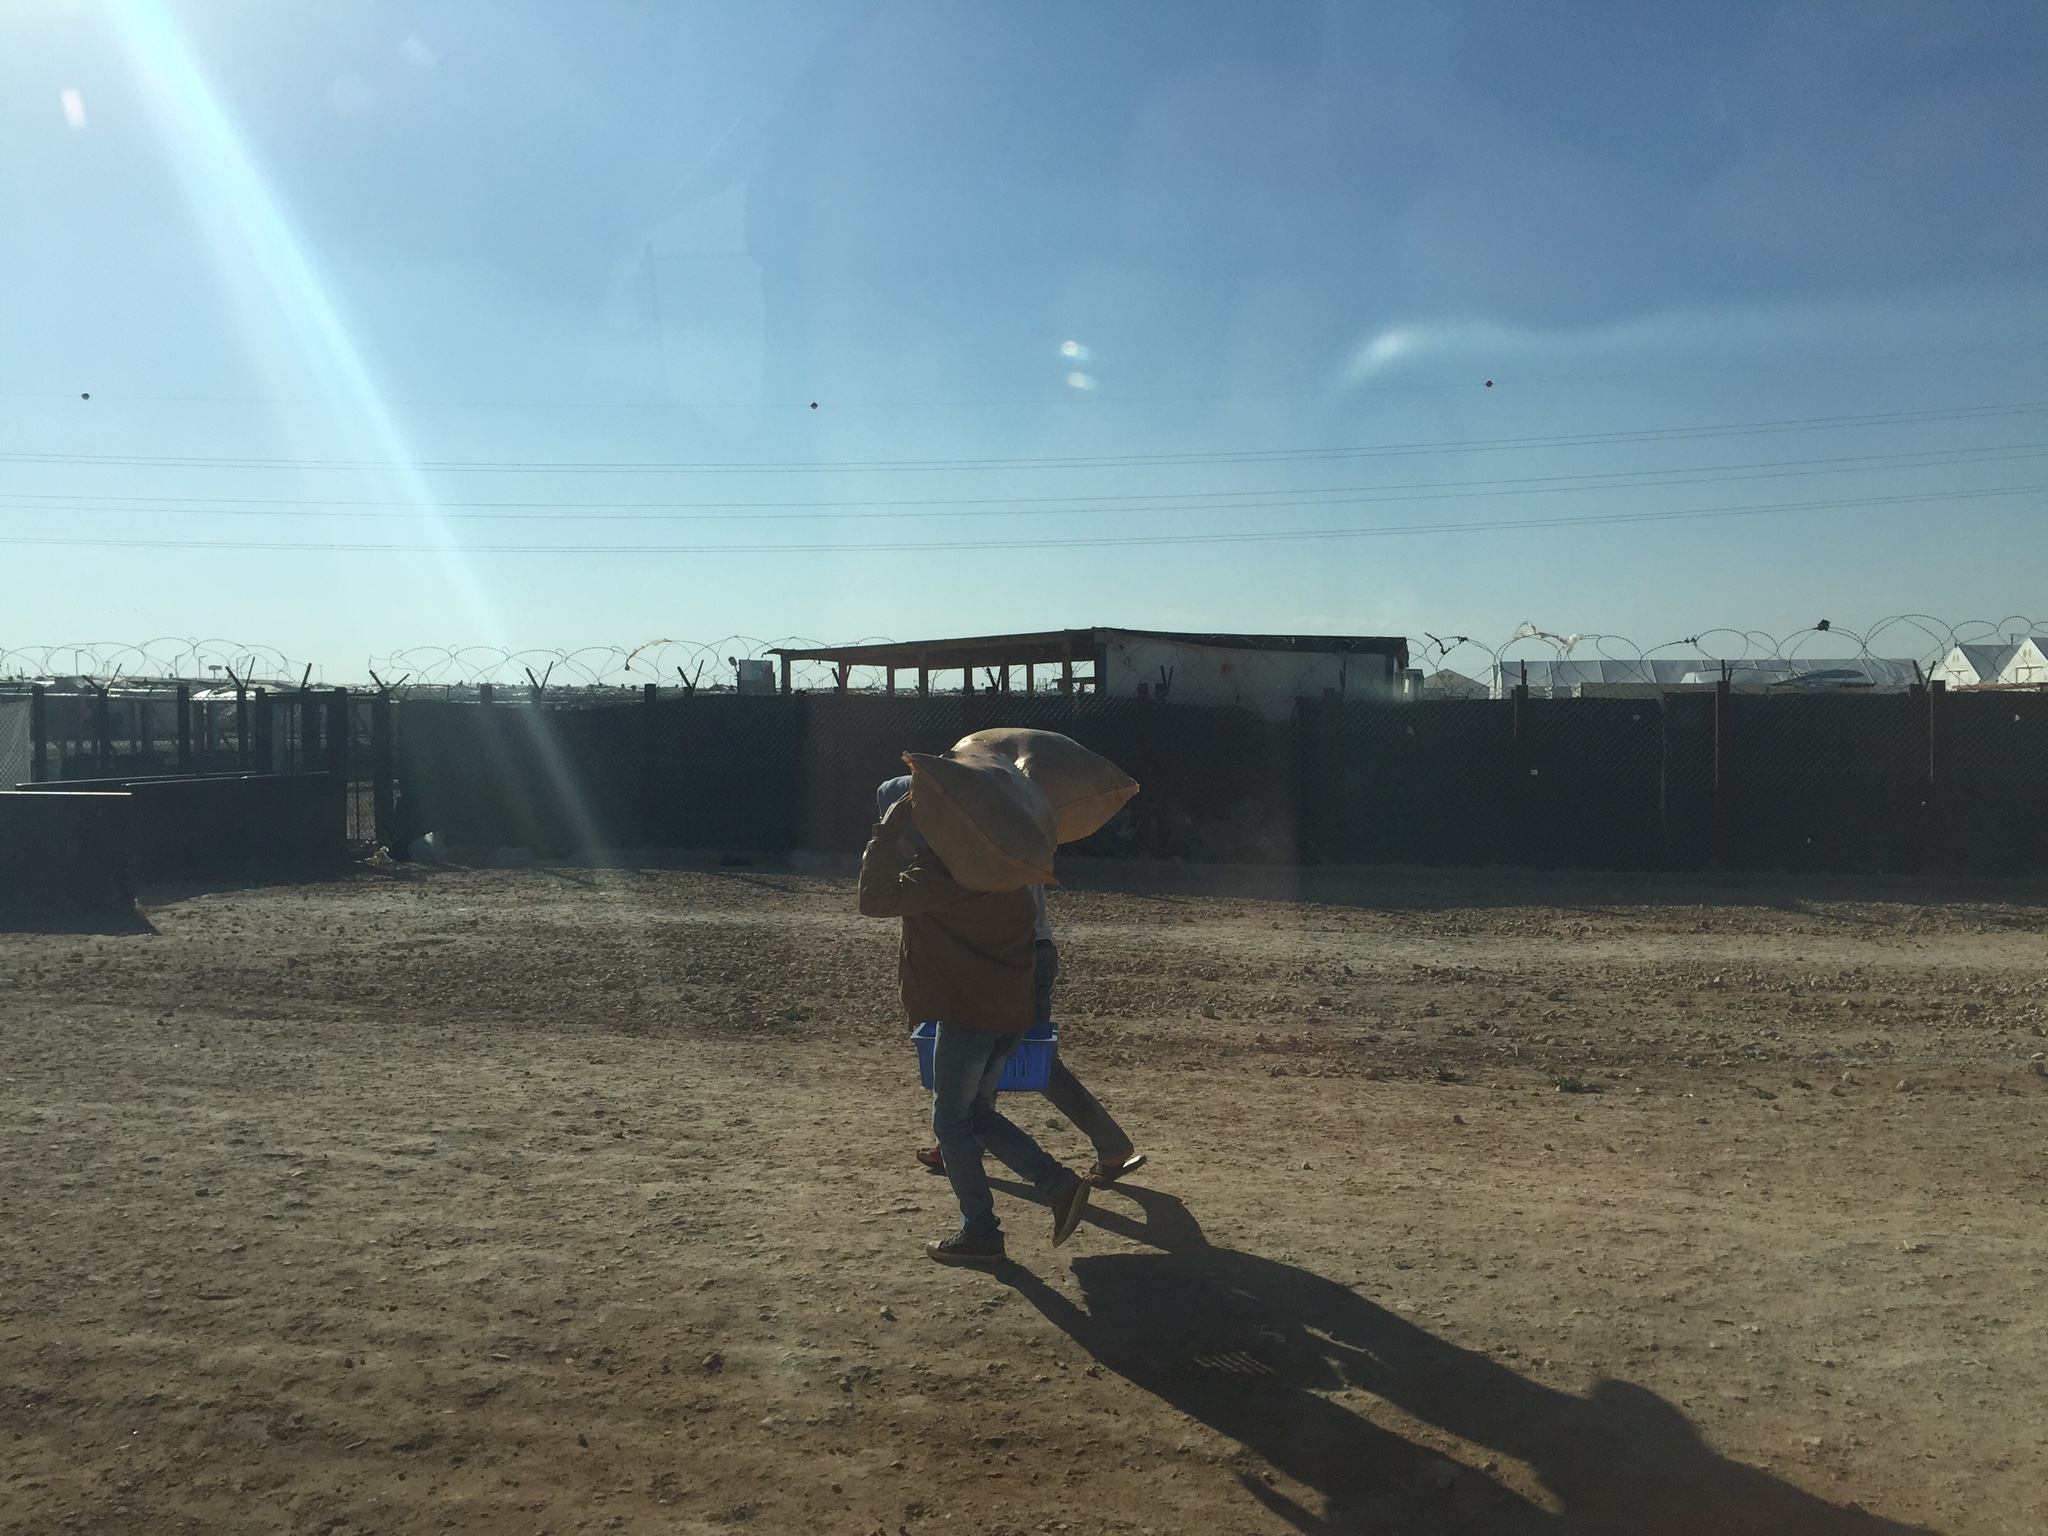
(38,735)
(380,768)
(650,761)
(309,731)
(265,755)
(1723,745)
(244,757)
(101,747)
(184,728)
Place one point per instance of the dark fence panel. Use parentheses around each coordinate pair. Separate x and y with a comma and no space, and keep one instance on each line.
(1839,782)
(1829,782)
(1407,783)
(203,828)
(1588,784)
(1687,803)
(65,852)
(1988,796)
(726,771)
(495,775)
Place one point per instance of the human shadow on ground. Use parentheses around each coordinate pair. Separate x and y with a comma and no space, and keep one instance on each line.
(1248,1346)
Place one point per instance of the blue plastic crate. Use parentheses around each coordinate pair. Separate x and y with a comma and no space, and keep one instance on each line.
(1028,1070)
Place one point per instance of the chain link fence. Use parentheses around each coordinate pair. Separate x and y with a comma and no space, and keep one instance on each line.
(1857,778)
(1921,780)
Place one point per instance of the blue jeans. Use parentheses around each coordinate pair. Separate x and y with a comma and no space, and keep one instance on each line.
(966,1066)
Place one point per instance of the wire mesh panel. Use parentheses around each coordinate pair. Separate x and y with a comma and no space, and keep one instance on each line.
(1421,783)
(1823,782)
(1685,786)
(724,771)
(1588,784)
(1801,782)
(492,775)
(15,739)
(1988,800)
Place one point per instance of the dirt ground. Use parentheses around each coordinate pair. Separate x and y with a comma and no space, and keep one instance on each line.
(567,1199)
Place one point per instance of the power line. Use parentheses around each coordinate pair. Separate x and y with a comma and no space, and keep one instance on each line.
(1015,506)
(1148,541)
(1103,461)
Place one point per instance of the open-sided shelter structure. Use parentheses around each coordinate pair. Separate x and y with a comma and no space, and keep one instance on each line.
(1266,673)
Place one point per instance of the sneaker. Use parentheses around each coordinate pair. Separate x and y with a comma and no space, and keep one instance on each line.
(962,1249)
(1069,1204)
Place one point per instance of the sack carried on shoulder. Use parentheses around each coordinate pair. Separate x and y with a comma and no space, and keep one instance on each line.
(1085,788)
(994,828)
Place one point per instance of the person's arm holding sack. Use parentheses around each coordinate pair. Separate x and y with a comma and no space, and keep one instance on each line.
(890,887)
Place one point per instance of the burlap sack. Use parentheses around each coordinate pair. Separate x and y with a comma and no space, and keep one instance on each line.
(994,827)
(1085,788)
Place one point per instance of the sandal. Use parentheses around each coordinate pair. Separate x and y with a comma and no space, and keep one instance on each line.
(1102,1174)
(933,1158)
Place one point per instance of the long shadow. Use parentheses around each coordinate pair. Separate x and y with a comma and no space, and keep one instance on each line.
(1249,1345)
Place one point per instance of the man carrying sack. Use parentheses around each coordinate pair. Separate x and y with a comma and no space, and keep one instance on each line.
(966,963)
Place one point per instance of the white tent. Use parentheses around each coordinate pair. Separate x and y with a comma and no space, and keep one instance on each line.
(2021,660)
(1564,679)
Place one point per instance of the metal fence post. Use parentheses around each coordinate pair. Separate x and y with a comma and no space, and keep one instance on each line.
(264,755)
(1518,767)
(102,747)
(1721,724)
(650,762)
(184,728)
(309,731)
(244,756)
(380,769)
(38,735)
(1930,778)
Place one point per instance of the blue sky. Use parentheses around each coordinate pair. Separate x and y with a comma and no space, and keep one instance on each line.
(413,324)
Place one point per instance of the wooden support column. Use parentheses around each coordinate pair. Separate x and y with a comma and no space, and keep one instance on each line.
(889,687)
(924,677)
(785,674)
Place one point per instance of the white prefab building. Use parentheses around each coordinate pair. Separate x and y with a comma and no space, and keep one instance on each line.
(2018,662)
(1265,673)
